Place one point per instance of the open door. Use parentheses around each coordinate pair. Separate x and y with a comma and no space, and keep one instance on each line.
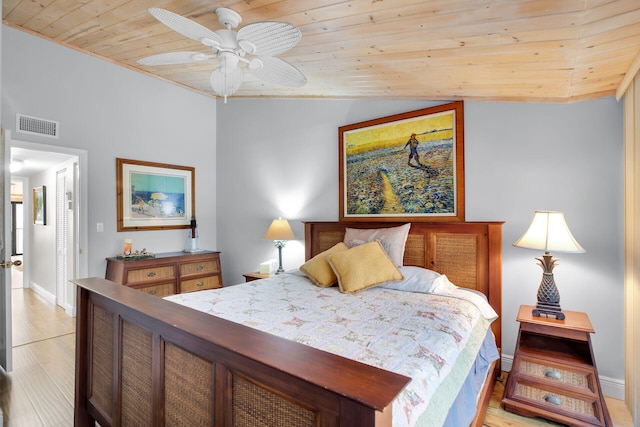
(5,254)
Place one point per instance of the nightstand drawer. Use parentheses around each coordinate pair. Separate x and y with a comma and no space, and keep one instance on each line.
(202,283)
(581,381)
(150,274)
(579,407)
(161,290)
(203,267)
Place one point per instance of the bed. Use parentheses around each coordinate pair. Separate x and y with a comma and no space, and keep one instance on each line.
(142,360)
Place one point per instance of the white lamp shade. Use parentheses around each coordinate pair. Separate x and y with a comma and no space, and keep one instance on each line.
(549,232)
(225,82)
(279,230)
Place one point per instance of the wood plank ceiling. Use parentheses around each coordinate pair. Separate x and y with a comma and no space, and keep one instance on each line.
(498,50)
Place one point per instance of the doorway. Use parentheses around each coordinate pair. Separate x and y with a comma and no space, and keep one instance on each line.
(17,233)
(52,245)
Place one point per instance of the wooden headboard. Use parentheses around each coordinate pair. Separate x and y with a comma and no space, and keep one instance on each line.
(469,253)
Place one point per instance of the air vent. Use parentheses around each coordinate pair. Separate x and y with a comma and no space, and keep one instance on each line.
(37,126)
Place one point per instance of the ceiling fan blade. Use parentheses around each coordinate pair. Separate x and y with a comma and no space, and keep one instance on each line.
(268,37)
(186,27)
(275,70)
(174,58)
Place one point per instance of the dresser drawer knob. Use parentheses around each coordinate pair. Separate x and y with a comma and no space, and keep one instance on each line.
(200,284)
(200,267)
(553,399)
(151,274)
(152,292)
(552,373)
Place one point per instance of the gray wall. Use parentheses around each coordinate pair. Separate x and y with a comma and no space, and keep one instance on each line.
(112,112)
(280,158)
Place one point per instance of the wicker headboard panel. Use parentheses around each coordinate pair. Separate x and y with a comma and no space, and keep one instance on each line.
(469,253)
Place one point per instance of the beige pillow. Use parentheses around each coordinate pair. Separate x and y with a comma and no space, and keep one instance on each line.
(363,267)
(318,268)
(393,239)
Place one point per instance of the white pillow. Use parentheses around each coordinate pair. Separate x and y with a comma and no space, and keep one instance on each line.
(393,239)
(442,286)
(416,279)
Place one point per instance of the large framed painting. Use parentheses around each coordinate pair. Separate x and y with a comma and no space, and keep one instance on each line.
(154,196)
(40,205)
(405,167)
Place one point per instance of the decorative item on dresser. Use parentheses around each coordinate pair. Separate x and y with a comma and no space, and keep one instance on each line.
(549,232)
(168,273)
(554,372)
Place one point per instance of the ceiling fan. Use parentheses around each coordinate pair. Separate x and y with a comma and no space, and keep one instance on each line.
(255,45)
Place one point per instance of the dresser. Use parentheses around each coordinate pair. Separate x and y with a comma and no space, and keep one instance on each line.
(554,372)
(168,273)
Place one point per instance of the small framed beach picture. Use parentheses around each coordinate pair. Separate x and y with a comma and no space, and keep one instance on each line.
(405,167)
(154,196)
(40,205)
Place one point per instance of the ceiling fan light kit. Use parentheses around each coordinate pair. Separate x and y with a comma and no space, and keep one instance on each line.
(262,40)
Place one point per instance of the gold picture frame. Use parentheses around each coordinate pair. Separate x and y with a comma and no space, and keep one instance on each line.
(405,167)
(154,196)
(40,205)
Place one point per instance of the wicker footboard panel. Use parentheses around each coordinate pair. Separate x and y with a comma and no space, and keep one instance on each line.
(137,369)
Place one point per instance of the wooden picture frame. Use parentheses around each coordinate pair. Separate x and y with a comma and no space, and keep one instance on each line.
(154,196)
(40,205)
(381,178)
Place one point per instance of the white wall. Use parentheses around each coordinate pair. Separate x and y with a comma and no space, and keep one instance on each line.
(112,112)
(280,158)
(42,238)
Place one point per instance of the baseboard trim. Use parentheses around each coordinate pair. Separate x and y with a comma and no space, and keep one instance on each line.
(51,298)
(71,311)
(611,387)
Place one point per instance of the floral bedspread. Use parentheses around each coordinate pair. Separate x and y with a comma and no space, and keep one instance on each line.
(431,338)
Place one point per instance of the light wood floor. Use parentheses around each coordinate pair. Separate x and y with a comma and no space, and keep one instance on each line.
(43,375)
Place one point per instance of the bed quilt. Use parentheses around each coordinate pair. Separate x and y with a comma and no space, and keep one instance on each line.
(430,338)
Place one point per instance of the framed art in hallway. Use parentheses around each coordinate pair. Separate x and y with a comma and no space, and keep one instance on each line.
(405,167)
(40,205)
(154,196)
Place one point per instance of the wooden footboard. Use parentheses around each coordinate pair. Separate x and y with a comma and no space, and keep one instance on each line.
(144,361)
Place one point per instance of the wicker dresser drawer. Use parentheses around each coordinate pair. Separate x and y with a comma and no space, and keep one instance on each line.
(575,406)
(558,374)
(200,284)
(160,290)
(150,274)
(168,273)
(203,267)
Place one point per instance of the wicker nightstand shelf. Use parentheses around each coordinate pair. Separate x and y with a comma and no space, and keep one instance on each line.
(250,277)
(554,372)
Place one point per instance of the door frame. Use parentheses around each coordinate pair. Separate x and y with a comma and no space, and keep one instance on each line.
(81,243)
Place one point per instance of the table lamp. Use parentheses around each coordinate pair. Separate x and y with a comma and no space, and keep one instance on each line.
(279,231)
(549,232)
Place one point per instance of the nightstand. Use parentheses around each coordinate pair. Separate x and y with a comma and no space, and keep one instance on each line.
(554,372)
(250,277)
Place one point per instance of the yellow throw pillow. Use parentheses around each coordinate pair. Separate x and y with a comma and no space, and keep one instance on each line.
(363,267)
(318,268)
